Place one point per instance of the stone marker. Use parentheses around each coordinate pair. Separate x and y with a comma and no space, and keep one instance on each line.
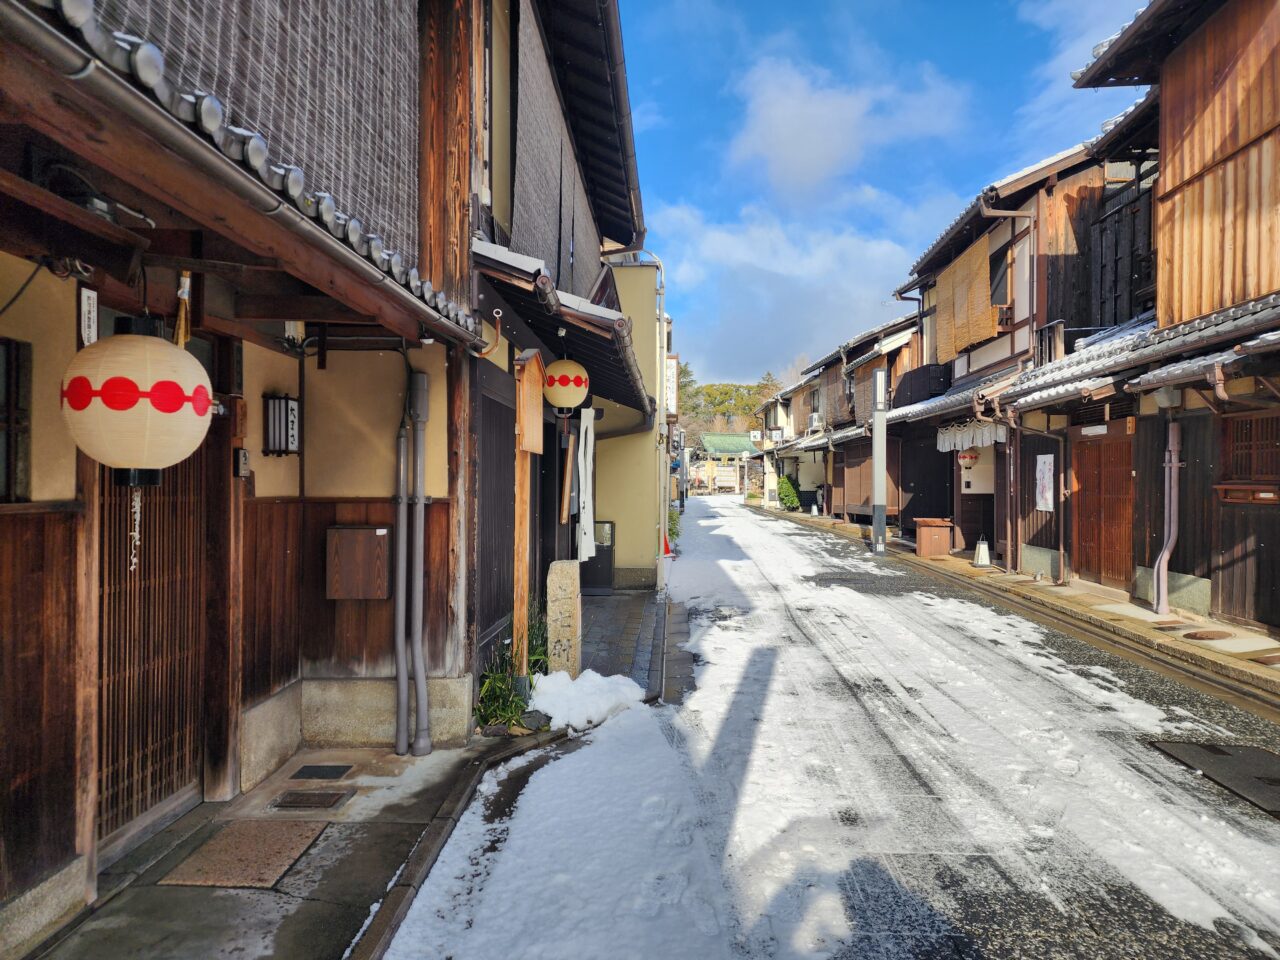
(564,618)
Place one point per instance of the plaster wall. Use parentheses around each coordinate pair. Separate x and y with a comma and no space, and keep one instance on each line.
(45,316)
(268,372)
(351,412)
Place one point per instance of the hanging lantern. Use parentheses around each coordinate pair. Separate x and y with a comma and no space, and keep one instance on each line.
(136,402)
(967,458)
(567,384)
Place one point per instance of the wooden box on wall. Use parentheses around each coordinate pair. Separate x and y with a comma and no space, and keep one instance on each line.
(358,563)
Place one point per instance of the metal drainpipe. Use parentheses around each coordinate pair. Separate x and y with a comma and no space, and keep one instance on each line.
(418,413)
(1172,463)
(402,553)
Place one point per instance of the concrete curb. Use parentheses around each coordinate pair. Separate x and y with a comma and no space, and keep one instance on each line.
(375,939)
(1218,669)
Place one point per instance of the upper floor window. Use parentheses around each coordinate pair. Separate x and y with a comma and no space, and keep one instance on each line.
(15,421)
(1252,450)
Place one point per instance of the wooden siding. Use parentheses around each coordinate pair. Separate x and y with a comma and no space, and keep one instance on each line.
(1218,211)
(864,388)
(447,148)
(838,402)
(965,315)
(1122,260)
(1246,567)
(272,577)
(495,531)
(37,697)
(1065,231)
(1039,527)
(925,478)
(1197,504)
(858,480)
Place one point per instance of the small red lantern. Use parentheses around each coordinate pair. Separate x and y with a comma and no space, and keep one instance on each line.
(566,385)
(136,402)
(967,458)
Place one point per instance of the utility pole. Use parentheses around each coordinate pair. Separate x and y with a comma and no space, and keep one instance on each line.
(879,457)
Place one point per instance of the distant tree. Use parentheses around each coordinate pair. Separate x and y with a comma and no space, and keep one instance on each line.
(768,386)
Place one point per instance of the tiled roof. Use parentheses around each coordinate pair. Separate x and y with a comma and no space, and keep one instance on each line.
(1196,368)
(1141,342)
(1064,391)
(971,210)
(1092,356)
(143,63)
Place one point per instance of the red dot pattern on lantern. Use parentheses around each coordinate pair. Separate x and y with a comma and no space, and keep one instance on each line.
(122,393)
(564,380)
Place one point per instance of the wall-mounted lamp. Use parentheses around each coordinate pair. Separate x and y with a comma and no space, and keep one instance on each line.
(281,425)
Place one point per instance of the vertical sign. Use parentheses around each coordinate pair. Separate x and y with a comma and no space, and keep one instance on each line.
(88,316)
(1044,482)
(672,386)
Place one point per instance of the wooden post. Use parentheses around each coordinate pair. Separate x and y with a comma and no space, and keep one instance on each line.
(530,376)
(88,586)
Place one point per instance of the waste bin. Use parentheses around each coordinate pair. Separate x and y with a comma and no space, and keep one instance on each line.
(933,537)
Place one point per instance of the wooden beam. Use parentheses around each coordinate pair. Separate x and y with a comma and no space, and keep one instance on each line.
(227,269)
(28,232)
(313,309)
(85,669)
(102,134)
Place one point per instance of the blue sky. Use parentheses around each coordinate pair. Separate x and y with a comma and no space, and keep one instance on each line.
(796,158)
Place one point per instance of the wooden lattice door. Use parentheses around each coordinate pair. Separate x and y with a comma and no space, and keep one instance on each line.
(152,649)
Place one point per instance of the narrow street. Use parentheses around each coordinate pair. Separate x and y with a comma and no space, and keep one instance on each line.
(874,766)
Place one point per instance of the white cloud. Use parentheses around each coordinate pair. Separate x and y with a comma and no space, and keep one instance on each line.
(647,115)
(755,290)
(1056,114)
(803,129)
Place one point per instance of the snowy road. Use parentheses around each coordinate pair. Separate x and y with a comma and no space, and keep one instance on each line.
(871,765)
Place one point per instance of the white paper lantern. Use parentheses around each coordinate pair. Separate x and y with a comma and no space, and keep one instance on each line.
(567,384)
(136,402)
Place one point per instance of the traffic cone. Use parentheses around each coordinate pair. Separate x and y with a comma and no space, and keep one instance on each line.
(666,545)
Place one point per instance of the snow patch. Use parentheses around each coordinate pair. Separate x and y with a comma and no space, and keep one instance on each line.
(589,699)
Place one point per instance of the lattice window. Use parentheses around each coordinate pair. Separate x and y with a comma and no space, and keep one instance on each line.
(15,421)
(1253,448)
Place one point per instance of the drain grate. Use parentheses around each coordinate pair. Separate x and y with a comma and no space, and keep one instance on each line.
(310,799)
(1249,772)
(322,771)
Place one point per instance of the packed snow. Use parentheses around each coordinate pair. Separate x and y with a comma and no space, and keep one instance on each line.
(866,768)
(587,700)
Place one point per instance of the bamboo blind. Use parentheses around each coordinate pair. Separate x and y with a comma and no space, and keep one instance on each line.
(965,314)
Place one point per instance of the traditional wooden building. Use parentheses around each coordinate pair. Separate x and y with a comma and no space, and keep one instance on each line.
(1004,287)
(1174,401)
(361,260)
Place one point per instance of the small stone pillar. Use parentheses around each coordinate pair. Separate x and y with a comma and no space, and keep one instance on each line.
(564,617)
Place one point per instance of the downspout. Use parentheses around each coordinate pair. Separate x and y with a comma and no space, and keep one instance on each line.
(418,413)
(660,336)
(1172,463)
(402,552)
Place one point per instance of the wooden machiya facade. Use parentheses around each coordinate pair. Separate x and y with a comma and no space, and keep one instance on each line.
(180,646)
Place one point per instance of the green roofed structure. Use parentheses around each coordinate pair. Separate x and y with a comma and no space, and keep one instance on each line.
(727,444)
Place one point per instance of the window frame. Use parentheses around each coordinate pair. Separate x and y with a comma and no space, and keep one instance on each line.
(15,419)
(1251,474)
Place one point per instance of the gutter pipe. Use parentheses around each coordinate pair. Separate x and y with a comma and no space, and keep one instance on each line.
(418,414)
(402,550)
(1172,464)
(92,75)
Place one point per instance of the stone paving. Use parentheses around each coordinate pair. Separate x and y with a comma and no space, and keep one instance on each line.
(623,634)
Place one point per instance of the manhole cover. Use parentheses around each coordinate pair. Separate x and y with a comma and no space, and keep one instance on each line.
(310,799)
(1249,772)
(1209,635)
(322,771)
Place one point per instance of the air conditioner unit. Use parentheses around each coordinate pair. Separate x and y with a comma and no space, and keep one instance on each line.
(815,421)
